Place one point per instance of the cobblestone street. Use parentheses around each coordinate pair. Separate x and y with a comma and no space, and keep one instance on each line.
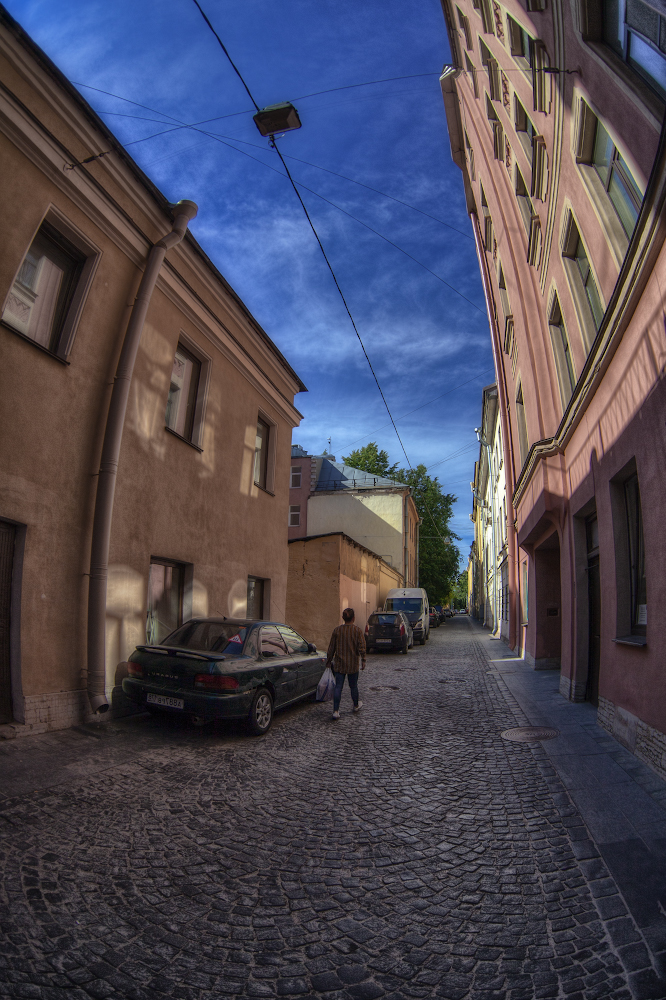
(407,851)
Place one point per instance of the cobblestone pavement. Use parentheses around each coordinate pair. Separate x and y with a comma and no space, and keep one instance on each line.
(407,851)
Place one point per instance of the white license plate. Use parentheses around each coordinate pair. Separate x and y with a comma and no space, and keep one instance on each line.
(384,640)
(161,699)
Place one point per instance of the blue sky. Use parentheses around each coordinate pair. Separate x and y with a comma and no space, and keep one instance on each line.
(423,338)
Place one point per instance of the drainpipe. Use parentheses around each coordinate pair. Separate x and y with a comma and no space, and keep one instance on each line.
(183,212)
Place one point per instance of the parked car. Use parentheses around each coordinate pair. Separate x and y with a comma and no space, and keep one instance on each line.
(225,668)
(388,630)
(434,618)
(414,602)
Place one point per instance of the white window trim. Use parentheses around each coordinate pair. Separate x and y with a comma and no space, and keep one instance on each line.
(54,217)
(206,362)
(586,325)
(272,453)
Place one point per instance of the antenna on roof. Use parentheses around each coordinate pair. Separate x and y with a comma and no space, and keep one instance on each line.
(329,444)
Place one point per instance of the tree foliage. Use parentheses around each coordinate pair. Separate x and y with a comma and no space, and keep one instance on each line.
(438,556)
(372,460)
(460,591)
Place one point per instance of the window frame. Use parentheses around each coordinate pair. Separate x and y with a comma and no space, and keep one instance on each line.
(195,438)
(564,365)
(294,511)
(296,471)
(521,420)
(265,597)
(58,229)
(572,241)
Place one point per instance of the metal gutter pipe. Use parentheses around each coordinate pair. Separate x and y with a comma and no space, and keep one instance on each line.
(183,212)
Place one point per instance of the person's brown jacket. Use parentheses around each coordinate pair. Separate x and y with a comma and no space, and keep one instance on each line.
(346,645)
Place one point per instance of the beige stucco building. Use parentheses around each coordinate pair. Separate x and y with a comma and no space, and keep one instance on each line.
(328,573)
(197,520)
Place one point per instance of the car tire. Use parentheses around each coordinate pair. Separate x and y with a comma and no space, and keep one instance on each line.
(405,647)
(422,641)
(261,712)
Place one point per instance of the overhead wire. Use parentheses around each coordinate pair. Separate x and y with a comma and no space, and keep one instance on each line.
(227,140)
(316,166)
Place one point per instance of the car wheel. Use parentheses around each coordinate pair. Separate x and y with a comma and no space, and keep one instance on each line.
(405,646)
(422,640)
(261,712)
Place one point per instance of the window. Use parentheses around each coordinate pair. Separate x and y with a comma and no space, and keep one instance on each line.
(296,471)
(463,21)
(637,33)
(524,202)
(492,69)
(582,276)
(504,298)
(295,516)
(46,297)
(566,375)
(470,157)
(638,588)
(165,599)
(524,127)
(469,66)
(520,44)
(522,426)
(261,453)
(272,643)
(487,222)
(295,643)
(256,594)
(498,131)
(183,392)
(614,174)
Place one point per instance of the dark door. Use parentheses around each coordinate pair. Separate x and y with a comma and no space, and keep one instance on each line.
(594,610)
(7,538)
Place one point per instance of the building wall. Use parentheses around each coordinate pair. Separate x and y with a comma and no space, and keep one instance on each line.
(580,440)
(195,505)
(327,575)
(298,495)
(375,520)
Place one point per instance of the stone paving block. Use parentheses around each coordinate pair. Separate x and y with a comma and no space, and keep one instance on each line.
(435,859)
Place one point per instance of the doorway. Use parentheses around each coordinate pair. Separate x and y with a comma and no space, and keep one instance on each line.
(165,599)
(594,609)
(7,544)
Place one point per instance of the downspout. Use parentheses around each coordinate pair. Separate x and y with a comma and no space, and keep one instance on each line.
(506,432)
(405,531)
(183,212)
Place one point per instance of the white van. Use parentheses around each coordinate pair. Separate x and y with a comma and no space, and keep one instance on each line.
(414,602)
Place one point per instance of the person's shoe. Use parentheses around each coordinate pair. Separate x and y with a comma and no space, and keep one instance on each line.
(357,708)
(336,715)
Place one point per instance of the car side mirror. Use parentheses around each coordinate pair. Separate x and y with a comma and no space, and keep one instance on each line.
(312,648)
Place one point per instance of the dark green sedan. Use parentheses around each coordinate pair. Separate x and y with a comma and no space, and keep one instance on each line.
(225,668)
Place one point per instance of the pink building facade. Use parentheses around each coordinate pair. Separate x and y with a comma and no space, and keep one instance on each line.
(554,115)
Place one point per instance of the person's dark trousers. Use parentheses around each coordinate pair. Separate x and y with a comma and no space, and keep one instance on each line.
(339,684)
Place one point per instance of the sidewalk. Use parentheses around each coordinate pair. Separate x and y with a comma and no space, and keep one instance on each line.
(621,800)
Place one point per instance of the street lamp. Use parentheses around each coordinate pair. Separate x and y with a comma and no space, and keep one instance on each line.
(277,118)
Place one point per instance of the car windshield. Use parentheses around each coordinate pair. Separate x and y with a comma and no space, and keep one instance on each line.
(211,637)
(390,619)
(410,604)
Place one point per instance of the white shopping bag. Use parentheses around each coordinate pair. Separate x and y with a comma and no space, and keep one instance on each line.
(326,685)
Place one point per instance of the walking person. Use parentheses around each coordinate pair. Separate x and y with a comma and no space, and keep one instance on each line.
(346,646)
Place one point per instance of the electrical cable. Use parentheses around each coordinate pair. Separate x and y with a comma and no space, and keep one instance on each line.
(317,166)
(226,142)
(420,407)
(328,263)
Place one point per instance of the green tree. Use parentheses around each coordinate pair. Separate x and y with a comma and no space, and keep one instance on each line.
(372,460)
(460,591)
(438,556)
